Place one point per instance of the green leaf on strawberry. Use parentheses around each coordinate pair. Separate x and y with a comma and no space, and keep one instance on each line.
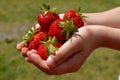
(48,47)
(68,28)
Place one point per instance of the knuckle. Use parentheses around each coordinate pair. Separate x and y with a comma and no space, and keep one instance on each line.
(24,51)
(20,46)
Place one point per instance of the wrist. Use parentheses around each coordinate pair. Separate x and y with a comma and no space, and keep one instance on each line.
(105,36)
(95,35)
(109,37)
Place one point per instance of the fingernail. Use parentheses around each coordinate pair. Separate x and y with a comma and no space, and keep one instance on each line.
(28,53)
(24,50)
(50,62)
(32,56)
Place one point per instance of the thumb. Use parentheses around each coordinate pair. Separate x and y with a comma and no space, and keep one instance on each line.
(65,51)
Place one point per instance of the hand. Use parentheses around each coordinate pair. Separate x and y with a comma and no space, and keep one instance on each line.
(70,56)
(74,52)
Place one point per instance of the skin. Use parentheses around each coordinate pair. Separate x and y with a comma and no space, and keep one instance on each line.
(100,30)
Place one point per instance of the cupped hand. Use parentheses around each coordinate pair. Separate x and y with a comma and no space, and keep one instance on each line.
(81,44)
(70,57)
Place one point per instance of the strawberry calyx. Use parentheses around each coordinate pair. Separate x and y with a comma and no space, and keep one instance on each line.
(46,8)
(81,14)
(29,34)
(50,45)
(68,27)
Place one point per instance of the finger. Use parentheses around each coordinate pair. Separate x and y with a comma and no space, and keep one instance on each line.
(73,45)
(64,52)
(38,61)
(24,51)
(20,45)
(27,60)
(72,64)
(37,27)
(61,16)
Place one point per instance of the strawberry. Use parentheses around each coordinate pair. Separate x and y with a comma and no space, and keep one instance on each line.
(55,30)
(32,38)
(76,16)
(40,36)
(46,17)
(70,14)
(34,44)
(78,22)
(62,29)
(48,47)
(42,51)
(28,37)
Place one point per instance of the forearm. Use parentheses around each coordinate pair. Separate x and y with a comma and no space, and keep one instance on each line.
(110,37)
(108,18)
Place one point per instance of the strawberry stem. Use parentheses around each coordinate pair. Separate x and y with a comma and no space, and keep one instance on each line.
(50,45)
(29,34)
(46,8)
(81,15)
(68,28)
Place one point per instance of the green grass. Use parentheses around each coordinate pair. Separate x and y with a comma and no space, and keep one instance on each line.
(18,15)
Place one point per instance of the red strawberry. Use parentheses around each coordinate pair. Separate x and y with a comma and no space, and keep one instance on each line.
(40,36)
(70,14)
(62,29)
(76,16)
(28,37)
(32,38)
(46,17)
(34,44)
(55,30)
(49,47)
(42,51)
(78,22)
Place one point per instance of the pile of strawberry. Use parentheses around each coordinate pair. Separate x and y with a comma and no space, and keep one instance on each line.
(53,32)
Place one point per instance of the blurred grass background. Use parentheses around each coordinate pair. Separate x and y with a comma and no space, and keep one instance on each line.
(16,16)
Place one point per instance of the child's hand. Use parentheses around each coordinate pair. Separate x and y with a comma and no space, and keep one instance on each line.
(70,57)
